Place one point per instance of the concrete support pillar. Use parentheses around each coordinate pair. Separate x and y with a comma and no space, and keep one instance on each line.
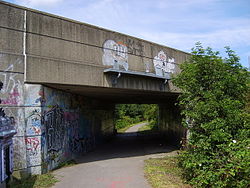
(170,122)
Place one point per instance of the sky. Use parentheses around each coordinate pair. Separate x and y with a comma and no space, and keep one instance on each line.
(175,23)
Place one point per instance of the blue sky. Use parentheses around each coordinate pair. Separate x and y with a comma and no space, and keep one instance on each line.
(174,23)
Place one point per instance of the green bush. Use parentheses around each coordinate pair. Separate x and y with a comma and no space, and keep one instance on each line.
(213,103)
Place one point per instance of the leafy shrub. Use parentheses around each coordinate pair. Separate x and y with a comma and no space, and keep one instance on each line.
(213,103)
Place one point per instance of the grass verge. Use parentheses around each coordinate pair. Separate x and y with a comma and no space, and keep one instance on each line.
(164,173)
(38,181)
(35,181)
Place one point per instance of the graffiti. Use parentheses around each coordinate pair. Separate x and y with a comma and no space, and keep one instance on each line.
(7,131)
(12,86)
(76,143)
(33,149)
(74,136)
(12,98)
(55,128)
(115,54)
(32,144)
(6,122)
(163,64)
(33,122)
(35,95)
(134,47)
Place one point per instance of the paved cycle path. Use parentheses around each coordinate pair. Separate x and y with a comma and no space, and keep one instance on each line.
(135,127)
(117,164)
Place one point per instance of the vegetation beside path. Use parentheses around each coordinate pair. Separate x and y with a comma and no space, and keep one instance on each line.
(164,172)
(128,115)
(214,110)
(34,181)
(38,181)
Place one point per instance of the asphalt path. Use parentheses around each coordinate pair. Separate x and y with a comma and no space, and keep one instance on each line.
(116,164)
(135,127)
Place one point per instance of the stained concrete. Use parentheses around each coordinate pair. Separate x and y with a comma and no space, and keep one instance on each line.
(118,164)
(63,51)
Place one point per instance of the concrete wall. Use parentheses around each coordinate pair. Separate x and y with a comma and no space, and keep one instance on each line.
(170,122)
(62,51)
(12,76)
(53,125)
(57,126)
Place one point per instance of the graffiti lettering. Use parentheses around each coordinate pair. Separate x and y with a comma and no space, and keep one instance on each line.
(115,54)
(12,98)
(135,48)
(34,123)
(163,64)
(32,144)
(55,128)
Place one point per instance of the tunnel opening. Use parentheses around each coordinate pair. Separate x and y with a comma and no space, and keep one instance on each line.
(136,118)
(83,123)
(140,130)
(65,122)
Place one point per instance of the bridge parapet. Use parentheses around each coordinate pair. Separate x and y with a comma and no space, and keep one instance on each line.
(58,50)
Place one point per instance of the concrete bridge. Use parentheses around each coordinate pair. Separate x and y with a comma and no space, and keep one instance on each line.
(62,78)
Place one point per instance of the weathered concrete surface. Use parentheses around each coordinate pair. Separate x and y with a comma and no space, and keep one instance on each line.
(118,164)
(135,128)
(48,51)
(58,50)
(170,122)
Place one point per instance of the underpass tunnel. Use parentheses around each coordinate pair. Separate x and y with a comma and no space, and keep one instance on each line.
(62,79)
(78,120)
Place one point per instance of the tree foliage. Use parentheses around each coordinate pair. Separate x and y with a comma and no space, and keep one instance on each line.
(213,103)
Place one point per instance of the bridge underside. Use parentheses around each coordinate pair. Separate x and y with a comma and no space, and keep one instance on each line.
(61,80)
(58,122)
(118,95)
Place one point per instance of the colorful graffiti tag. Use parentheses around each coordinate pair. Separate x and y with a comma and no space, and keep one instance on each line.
(33,122)
(163,64)
(32,144)
(115,54)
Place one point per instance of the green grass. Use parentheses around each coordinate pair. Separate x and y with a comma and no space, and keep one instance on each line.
(164,173)
(35,181)
(38,181)
(122,130)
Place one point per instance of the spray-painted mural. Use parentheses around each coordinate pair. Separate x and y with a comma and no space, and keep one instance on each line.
(163,64)
(55,129)
(52,126)
(115,54)
(66,129)
(33,151)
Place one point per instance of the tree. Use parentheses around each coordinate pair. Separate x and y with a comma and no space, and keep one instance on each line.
(213,103)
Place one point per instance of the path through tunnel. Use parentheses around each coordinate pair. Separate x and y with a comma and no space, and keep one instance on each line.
(119,162)
(107,99)
(79,121)
(99,108)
